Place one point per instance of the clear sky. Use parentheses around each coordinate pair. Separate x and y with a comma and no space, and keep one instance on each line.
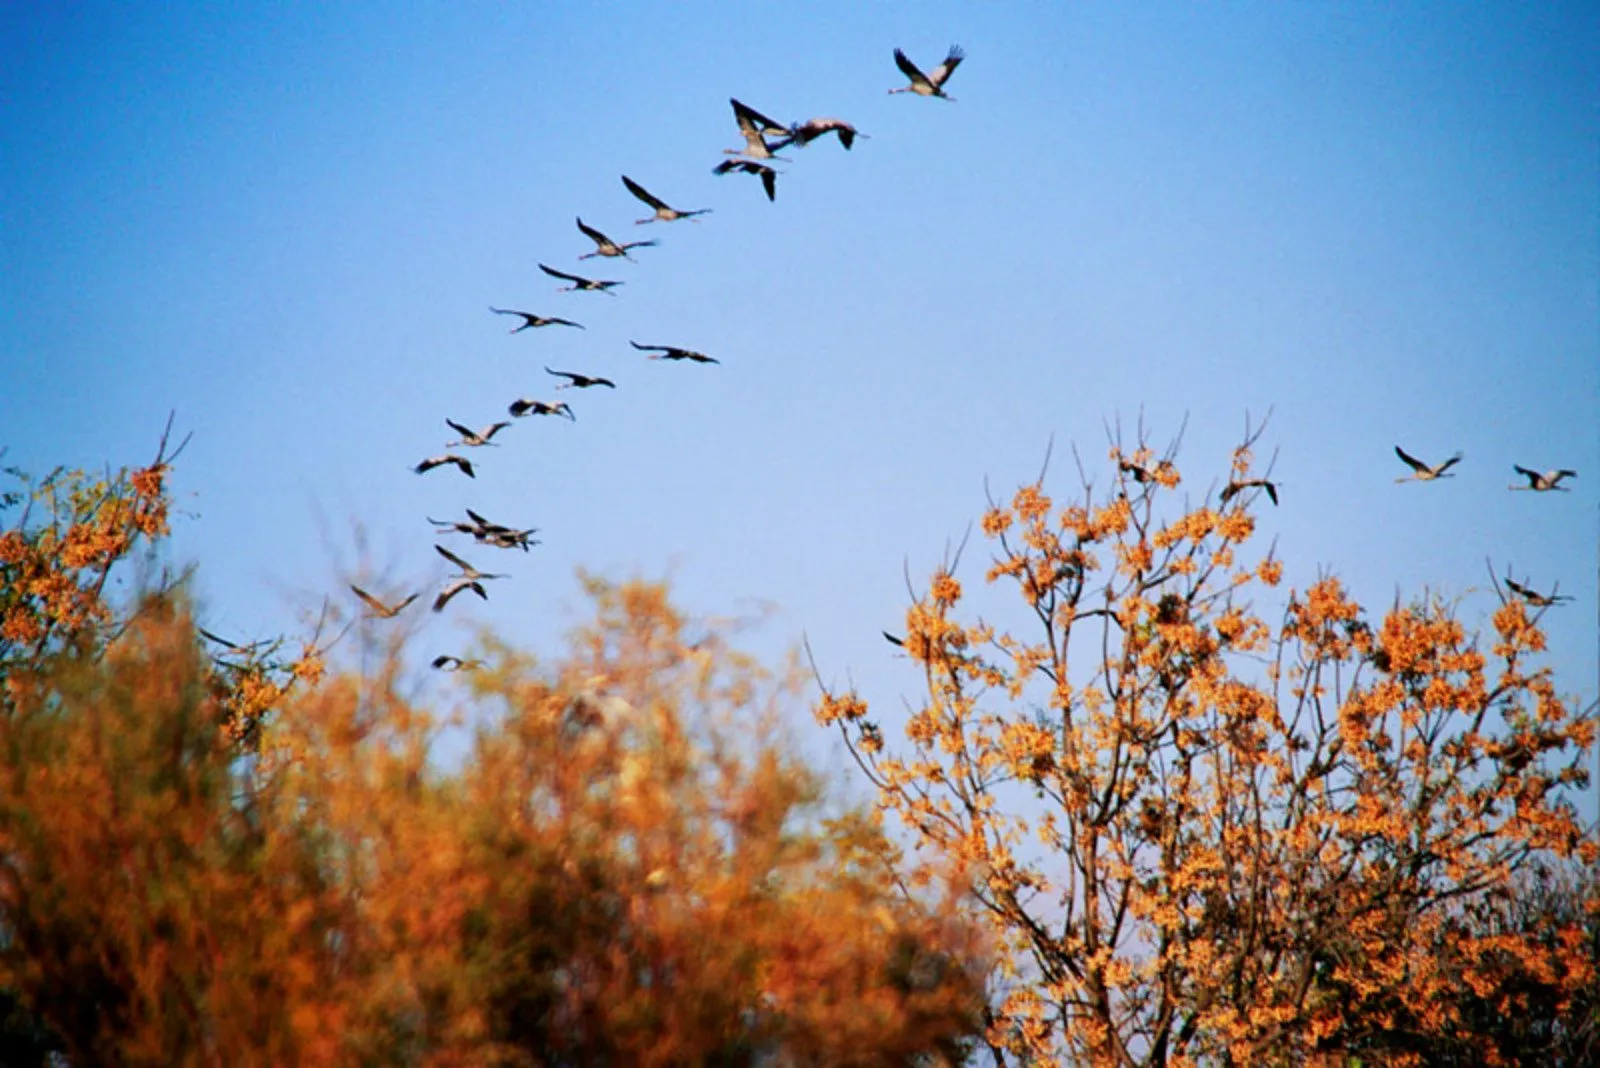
(286,222)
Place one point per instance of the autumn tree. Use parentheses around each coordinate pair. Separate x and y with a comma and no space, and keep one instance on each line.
(152,912)
(66,538)
(119,809)
(212,856)
(1519,1014)
(1198,836)
(629,868)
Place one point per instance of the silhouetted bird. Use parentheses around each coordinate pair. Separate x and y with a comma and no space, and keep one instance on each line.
(577,381)
(474,438)
(756,128)
(455,663)
(809,131)
(231,647)
(1233,488)
(532,320)
(769,177)
(1533,597)
(525,406)
(604,246)
(1543,483)
(672,352)
(379,609)
(932,83)
(487,533)
(1140,474)
(588,284)
(467,571)
(454,588)
(1421,472)
(448,458)
(663,211)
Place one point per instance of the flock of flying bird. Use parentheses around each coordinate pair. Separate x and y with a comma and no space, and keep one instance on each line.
(763,140)
(1537,482)
(1421,471)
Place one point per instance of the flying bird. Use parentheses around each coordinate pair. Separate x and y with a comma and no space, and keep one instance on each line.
(1232,489)
(806,132)
(510,539)
(448,526)
(524,406)
(379,609)
(672,352)
(487,533)
(932,83)
(454,588)
(474,438)
(577,381)
(1421,472)
(589,284)
(448,458)
(663,211)
(1139,473)
(756,128)
(531,320)
(229,646)
(1543,483)
(455,663)
(604,246)
(769,177)
(467,570)
(501,536)
(1534,597)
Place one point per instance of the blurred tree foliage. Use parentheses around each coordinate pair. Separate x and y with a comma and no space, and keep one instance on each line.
(210,854)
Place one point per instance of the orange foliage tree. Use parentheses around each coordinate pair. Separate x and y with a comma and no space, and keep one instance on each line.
(1200,837)
(628,867)
(65,537)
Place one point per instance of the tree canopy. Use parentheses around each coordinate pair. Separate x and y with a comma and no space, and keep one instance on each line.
(628,868)
(1134,823)
(1198,834)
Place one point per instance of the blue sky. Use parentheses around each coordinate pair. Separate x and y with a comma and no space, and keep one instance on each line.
(287,222)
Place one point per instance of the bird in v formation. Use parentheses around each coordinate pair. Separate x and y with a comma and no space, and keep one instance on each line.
(664,212)
(527,406)
(475,438)
(932,83)
(431,462)
(763,139)
(1543,481)
(1424,472)
(604,246)
(579,283)
(382,609)
(531,320)
(672,352)
(755,128)
(1534,597)
(466,570)
(769,177)
(580,381)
